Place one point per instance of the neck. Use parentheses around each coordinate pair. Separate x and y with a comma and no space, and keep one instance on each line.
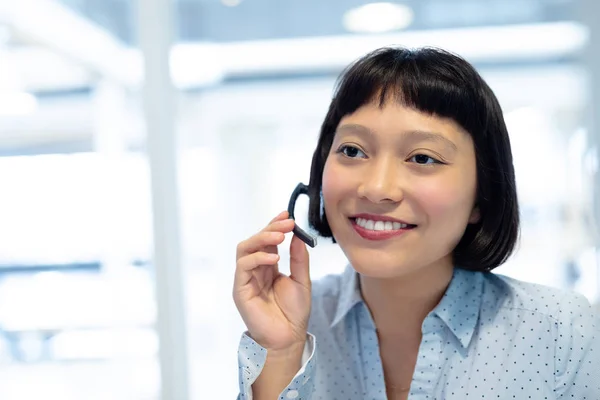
(400,304)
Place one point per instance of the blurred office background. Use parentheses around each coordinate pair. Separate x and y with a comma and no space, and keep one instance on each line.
(81,304)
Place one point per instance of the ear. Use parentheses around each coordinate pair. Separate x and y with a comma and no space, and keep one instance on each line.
(475,215)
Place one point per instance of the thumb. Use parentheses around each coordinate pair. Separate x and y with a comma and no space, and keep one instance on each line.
(299,262)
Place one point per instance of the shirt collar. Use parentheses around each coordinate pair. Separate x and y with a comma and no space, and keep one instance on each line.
(349,294)
(458,309)
(460,305)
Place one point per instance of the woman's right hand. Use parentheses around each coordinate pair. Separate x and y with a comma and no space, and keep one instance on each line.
(274,307)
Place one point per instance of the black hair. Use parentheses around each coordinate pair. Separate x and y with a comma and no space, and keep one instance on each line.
(443,84)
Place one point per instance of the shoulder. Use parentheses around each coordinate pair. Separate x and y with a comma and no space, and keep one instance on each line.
(560,306)
(539,317)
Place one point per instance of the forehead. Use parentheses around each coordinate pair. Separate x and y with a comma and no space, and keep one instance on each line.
(393,118)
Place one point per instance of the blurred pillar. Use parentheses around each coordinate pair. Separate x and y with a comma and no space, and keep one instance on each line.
(589,11)
(109,119)
(155,29)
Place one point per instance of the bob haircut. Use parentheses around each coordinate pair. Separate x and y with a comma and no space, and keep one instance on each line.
(438,83)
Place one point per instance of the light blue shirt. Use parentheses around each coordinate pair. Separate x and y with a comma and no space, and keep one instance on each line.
(490,337)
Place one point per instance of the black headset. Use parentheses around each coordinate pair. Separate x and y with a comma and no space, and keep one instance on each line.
(307,238)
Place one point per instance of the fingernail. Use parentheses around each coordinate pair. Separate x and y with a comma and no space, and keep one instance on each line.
(273,257)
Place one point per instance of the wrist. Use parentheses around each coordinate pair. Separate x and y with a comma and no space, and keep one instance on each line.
(288,353)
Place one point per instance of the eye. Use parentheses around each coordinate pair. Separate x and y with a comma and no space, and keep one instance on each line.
(351,151)
(423,159)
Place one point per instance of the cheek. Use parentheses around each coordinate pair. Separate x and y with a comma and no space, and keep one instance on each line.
(333,186)
(441,199)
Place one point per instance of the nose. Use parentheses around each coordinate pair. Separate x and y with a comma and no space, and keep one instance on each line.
(382,182)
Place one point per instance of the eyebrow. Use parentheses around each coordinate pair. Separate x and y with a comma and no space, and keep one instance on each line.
(415,134)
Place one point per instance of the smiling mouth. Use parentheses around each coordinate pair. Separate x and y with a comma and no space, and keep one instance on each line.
(378,225)
(378,230)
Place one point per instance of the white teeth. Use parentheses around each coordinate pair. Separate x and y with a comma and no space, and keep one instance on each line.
(380,225)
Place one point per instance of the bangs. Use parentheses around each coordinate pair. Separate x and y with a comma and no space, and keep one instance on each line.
(418,80)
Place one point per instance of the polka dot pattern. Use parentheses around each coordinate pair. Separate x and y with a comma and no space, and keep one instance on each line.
(491,337)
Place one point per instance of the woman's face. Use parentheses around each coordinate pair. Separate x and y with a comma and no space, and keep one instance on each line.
(399,189)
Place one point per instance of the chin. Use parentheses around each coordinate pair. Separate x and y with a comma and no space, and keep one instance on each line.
(380,264)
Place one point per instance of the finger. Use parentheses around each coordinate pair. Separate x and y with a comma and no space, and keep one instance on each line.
(281,216)
(246,265)
(254,260)
(250,245)
(259,241)
(299,262)
(284,225)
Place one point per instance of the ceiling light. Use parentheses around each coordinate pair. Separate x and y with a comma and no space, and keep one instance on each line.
(231,3)
(378,18)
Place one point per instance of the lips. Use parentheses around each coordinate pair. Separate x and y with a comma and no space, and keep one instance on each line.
(378,227)
(379,217)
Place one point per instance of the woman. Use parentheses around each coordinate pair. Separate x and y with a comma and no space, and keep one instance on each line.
(413,178)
